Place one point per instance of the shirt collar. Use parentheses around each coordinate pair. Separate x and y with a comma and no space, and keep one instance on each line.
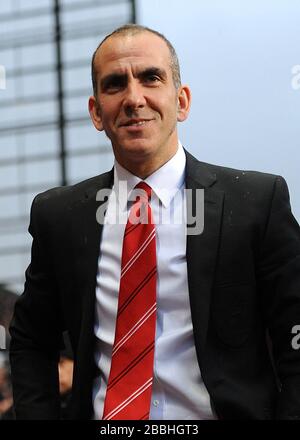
(165,182)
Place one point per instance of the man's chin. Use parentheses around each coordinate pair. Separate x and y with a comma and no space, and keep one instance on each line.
(137,150)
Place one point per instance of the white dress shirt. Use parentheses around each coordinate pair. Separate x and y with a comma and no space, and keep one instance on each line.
(178,391)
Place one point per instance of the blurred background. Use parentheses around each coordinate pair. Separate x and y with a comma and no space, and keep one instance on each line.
(241,59)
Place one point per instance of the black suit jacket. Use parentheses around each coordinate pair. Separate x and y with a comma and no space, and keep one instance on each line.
(244,284)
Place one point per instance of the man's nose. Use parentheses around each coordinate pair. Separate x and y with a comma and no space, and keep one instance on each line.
(134,96)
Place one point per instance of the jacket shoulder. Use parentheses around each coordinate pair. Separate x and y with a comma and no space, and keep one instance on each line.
(229,178)
(56,205)
(70,194)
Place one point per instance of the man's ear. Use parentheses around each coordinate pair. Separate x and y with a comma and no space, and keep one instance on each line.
(184,103)
(95,115)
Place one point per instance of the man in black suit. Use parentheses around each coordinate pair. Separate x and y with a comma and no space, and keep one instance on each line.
(228,298)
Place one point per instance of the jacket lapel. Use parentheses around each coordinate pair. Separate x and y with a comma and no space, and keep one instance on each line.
(87,235)
(202,249)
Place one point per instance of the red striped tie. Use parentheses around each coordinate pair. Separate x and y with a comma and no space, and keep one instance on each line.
(129,388)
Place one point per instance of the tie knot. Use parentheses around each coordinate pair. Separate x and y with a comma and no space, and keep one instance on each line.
(145,190)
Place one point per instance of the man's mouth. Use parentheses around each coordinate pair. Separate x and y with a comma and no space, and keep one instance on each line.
(135,122)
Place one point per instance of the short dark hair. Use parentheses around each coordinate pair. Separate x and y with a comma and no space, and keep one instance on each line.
(132,29)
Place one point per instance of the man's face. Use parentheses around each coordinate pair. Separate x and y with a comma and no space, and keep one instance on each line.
(137,104)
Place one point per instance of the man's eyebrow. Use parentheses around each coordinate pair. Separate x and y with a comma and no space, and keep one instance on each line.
(148,71)
(157,71)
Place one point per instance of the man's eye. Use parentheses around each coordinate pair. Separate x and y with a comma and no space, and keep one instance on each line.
(151,78)
(114,85)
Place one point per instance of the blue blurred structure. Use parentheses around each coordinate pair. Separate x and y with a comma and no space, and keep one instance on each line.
(46,137)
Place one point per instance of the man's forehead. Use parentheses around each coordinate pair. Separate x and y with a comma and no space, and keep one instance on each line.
(136,69)
(139,49)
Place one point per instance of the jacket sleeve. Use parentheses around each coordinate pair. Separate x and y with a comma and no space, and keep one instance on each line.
(279,281)
(36,331)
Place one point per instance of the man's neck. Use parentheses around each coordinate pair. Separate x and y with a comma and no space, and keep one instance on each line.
(145,168)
